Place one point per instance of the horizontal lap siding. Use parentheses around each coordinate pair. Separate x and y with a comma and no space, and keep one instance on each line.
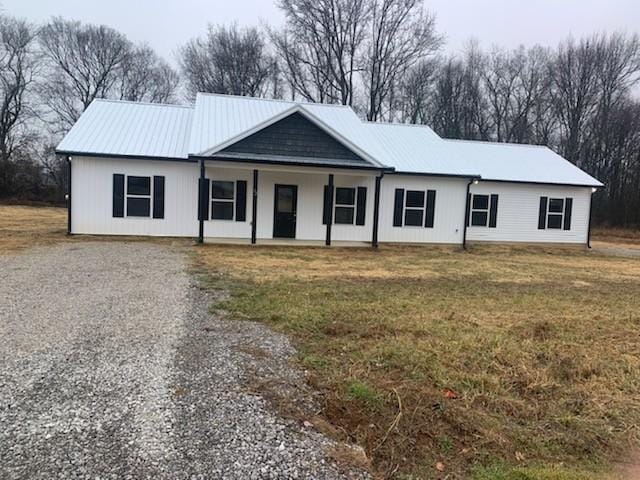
(518,208)
(449,211)
(92,195)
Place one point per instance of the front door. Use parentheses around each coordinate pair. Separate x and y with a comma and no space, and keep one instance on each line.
(284,214)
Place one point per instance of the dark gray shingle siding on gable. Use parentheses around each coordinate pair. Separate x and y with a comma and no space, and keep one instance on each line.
(294,136)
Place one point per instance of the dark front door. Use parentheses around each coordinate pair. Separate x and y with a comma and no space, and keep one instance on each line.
(284,215)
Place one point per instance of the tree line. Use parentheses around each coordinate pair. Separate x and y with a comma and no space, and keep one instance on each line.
(384,58)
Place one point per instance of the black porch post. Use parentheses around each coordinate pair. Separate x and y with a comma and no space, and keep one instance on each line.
(254,207)
(329,208)
(376,210)
(69,196)
(202,199)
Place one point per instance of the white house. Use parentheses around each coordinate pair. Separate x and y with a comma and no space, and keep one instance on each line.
(258,171)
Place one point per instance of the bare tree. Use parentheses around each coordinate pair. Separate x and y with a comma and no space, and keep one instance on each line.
(402,33)
(228,60)
(144,76)
(17,70)
(574,92)
(416,92)
(513,81)
(85,62)
(321,45)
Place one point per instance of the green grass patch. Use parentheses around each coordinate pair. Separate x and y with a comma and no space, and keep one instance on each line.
(427,355)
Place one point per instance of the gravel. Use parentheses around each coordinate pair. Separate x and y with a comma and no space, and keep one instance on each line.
(112,367)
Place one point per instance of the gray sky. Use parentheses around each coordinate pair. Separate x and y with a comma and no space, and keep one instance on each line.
(168,23)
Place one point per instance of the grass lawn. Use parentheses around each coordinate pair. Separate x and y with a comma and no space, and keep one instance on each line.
(500,363)
(22,227)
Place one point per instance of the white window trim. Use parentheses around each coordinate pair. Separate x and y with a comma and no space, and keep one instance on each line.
(561,213)
(345,205)
(232,201)
(487,210)
(405,208)
(127,195)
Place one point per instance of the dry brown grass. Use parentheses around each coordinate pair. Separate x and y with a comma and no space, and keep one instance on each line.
(616,235)
(540,345)
(22,227)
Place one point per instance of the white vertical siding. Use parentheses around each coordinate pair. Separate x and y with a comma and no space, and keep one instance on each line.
(309,224)
(517,219)
(230,228)
(518,206)
(92,197)
(449,211)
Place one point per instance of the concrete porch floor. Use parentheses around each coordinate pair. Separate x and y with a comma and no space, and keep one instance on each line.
(287,242)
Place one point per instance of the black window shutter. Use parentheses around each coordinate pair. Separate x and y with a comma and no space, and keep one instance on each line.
(361,208)
(398,207)
(493,211)
(431,208)
(158,197)
(568,203)
(118,195)
(241,200)
(203,200)
(468,208)
(327,205)
(542,214)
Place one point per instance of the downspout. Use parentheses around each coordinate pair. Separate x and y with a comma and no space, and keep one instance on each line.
(202,199)
(376,210)
(589,228)
(329,207)
(68,196)
(466,214)
(254,207)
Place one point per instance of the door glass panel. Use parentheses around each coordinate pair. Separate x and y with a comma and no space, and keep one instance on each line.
(285,200)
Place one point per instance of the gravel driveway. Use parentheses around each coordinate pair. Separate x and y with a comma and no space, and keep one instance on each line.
(111,367)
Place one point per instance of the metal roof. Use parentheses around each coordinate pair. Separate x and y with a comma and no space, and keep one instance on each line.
(418,149)
(221,120)
(512,162)
(112,127)
(216,121)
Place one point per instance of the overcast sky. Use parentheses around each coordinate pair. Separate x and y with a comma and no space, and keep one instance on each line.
(165,24)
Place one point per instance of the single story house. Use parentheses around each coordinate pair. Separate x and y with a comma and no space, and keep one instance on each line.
(259,171)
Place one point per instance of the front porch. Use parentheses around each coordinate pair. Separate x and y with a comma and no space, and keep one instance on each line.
(244,202)
(283,242)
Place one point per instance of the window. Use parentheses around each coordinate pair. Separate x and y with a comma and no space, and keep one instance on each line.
(480,210)
(345,205)
(138,196)
(223,196)
(414,208)
(555,213)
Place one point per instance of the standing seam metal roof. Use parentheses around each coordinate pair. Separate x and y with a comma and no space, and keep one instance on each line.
(123,128)
(113,127)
